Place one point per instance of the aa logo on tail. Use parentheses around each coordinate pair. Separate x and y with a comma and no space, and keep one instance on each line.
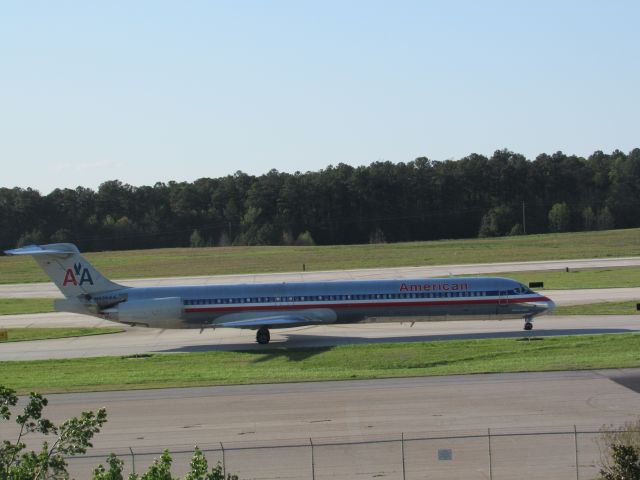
(72,276)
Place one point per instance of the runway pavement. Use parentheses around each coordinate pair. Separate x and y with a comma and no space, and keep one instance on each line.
(249,416)
(49,290)
(592,295)
(144,340)
(156,418)
(244,417)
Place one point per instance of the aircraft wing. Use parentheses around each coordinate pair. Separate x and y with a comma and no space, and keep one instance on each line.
(294,319)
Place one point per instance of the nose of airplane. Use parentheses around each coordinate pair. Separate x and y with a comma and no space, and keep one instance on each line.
(550,305)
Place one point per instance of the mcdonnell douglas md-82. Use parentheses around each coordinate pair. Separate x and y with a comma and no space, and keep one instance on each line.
(281,305)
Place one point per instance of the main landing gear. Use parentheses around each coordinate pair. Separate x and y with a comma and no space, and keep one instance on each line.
(263,336)
(528,323)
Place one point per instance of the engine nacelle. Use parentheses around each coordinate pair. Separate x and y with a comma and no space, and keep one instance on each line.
(152,312)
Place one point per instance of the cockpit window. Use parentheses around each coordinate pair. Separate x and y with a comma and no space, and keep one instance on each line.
(525,289)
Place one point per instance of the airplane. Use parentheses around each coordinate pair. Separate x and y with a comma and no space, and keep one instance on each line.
(262,307)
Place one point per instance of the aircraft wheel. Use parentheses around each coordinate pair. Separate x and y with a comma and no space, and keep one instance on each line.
(528,325)
(263,336)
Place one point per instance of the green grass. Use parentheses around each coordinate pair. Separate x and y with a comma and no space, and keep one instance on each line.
(605,308)
(19,306)
(26,334)
(336,363)
(230,260)
(588,278)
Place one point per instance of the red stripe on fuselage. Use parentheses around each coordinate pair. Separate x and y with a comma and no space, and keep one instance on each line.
(241,308)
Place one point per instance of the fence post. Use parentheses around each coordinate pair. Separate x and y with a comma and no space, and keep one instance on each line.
(313,461)
(402,444)
(133,461)
(490,459)
(575,437)
(224,463)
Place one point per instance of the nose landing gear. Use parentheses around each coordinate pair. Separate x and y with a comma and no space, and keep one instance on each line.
(263,336)
(528,323)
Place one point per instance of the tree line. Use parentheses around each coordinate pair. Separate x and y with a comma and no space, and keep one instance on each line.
(505,194)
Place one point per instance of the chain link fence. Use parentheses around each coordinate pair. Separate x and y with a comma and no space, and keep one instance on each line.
(562,453)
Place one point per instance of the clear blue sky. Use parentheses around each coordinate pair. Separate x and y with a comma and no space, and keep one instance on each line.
(146,91)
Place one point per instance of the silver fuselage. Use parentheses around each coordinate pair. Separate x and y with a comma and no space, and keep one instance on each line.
(330,302)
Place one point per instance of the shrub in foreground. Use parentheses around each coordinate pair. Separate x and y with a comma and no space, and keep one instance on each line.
(73,437)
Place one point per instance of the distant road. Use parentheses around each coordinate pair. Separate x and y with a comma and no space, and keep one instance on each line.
(27,290)
(593,295)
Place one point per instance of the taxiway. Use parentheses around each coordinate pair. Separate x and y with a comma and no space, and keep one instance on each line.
(25,290)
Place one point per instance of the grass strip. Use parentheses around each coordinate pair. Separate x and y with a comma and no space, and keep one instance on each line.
(230,260)
(589,278)
(276,364)
(604,308)
(27,334)
(20,306)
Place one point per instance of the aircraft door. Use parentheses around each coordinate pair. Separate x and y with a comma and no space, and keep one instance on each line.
(503,302)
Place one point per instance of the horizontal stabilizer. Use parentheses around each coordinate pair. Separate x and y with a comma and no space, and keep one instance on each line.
(56,249)
(69,270)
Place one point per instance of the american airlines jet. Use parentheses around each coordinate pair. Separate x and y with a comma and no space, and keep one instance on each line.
(281,305)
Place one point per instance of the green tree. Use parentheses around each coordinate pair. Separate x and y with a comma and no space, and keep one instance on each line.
(62,235)
(624,464)
(161,469)
(113,473)
(588,219)
(419,200)
(195,240)
(619,447)
(497,221)
(305,239)
(73,437)
(559,217)
(377,236)
(29,238)
(516,230)
(604,220)
(625,188)
(287,237)
(199,469)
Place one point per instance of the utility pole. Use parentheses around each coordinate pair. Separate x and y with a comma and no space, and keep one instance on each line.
(524,220)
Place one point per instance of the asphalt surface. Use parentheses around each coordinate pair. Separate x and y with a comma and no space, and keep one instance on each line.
(356,408)
(49,290)
(249,418)
(330,413)
(145,340)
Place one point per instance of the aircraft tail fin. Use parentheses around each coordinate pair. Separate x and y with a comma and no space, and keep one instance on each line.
(69,270)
